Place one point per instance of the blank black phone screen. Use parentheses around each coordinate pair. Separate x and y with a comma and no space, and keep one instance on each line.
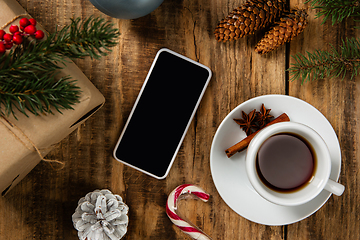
(162,114)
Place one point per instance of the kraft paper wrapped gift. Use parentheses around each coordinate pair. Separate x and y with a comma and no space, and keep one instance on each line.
(20,140)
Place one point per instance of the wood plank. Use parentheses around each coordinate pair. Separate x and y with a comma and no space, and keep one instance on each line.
(337,100)
(238,74)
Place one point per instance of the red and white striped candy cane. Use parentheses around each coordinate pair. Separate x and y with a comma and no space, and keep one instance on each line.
(171,207)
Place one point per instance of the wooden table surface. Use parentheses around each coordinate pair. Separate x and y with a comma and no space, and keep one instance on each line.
(40,207)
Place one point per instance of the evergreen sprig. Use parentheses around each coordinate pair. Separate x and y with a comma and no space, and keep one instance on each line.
(328,64)
(92,37)
(29,78)
(38,94)
(336,10)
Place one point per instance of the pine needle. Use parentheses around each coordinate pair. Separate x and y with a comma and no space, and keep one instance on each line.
(336,10)
(327,64)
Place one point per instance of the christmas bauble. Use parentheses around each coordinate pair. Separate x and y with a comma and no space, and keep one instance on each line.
(126,9)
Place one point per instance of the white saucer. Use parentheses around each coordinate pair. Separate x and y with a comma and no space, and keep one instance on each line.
(229,174)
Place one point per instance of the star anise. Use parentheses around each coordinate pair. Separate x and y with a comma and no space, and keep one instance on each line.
(263,117)
(247,122)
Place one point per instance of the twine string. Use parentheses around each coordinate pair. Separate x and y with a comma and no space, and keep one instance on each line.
(12,20)
(34,148)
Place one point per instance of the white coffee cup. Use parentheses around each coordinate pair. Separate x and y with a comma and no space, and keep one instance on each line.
(320,177)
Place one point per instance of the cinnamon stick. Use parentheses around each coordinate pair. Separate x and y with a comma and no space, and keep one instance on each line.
(245,142)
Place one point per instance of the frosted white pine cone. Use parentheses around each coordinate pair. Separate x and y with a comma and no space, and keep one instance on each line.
(101,215)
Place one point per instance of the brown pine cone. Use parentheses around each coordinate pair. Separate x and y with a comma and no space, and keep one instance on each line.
(289,26)
(248,18)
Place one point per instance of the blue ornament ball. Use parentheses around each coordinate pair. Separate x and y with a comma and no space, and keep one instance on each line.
(126,9)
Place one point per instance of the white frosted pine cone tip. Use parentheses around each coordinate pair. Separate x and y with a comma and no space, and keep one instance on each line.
(101,215)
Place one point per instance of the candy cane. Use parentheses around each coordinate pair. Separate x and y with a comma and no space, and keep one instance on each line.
(171,207)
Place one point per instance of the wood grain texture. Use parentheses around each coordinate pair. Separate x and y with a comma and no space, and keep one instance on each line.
(338,101)
(40,207)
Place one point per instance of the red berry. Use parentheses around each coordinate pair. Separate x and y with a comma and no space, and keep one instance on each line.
(24,22)
(17,33)
(13,29)
(22,28)
(30,29)
(17,39)
(8,37)
(2,48)
(8,45)
(39,34)
(32,21)
(2,33)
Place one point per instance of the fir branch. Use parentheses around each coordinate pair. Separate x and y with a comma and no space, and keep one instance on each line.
(27,58)
(336,10)
(327,64)
(91,37)
(38,95)
(28,74)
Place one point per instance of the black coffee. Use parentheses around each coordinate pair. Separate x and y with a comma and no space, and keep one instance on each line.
(285,162)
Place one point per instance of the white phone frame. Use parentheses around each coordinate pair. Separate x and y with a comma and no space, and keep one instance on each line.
(187,126)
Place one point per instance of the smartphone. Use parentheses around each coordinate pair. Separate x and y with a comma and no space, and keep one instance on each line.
(162,113)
